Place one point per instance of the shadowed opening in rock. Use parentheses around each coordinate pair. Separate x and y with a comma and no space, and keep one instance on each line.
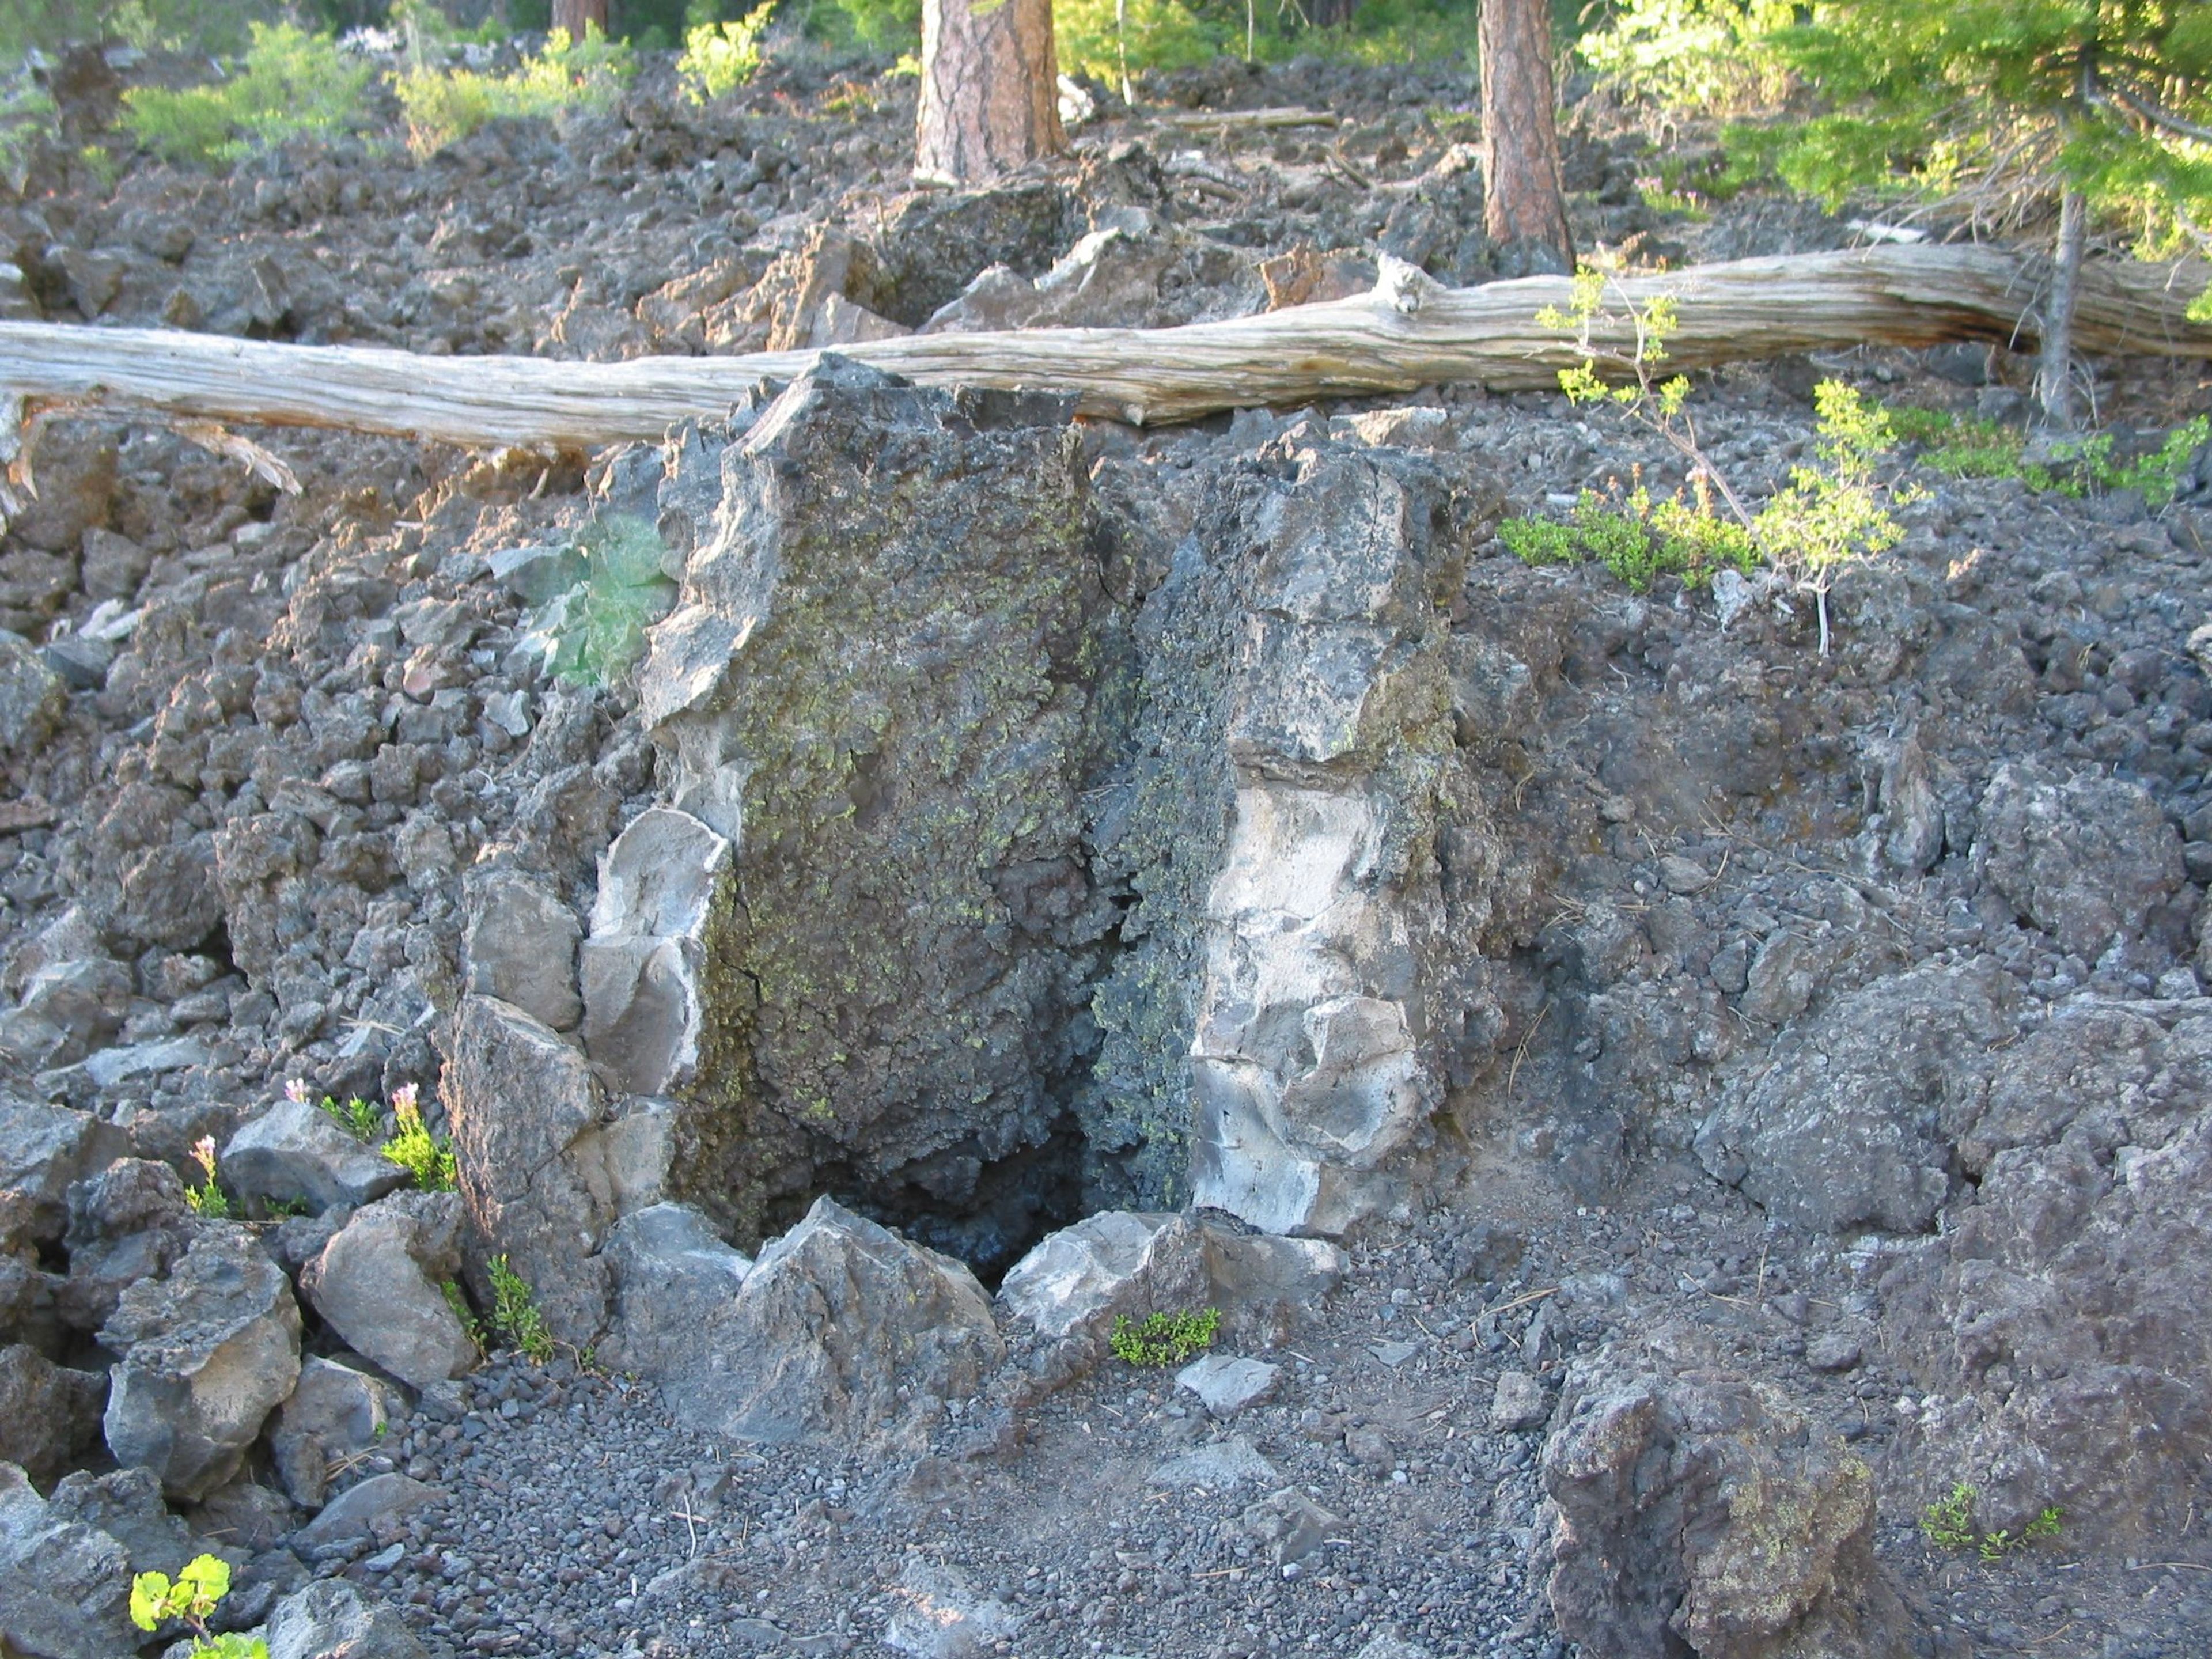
(988,1213)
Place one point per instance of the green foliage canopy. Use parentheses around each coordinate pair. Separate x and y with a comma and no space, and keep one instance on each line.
(2114,95)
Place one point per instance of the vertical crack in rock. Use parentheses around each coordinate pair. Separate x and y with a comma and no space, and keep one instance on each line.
(878,687)
(1295,764)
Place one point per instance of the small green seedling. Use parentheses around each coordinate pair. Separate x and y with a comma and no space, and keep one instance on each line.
(429,1158)
(207,1199)
(1163,1338)
(1949,1524)
(192,1596)
(356,1117)
(514,1312)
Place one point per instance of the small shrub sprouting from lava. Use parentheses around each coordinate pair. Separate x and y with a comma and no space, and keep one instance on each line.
(207,1199)
(514,1312)
(200,1584)
(1163,1338)
(719,58)
(429,1158)
(292,83)
(356,1116)
(1949,1524)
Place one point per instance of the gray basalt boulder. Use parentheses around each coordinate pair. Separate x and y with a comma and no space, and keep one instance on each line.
(367,1510)
(1077,1281)
(64,1586)
(1694,1512)
(642,965)
(844,1329)
(2070,1342)
(2086,858)
(520,946)
(1856,1122)
(379,1283)
(127,1505)
(675,1287)
(45,1150)
(331,1619)
(1284,1022)
(129,1222)
(526,1113)
(294,1154)
(32,696)
(48,1413)
(335,1413)
(207,1353)
(885,648)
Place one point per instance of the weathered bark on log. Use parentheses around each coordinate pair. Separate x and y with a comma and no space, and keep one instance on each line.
(1524,208)
(1408,332)
(990,89)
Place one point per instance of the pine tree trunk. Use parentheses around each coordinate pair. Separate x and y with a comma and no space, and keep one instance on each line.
(990,89)
(574,14)
(2054,374)
(1524,210)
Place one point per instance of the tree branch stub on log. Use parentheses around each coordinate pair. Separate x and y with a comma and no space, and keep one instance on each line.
(1408,332)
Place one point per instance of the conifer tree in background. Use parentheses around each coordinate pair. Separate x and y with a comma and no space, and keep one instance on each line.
(2110,101)
(1524,208)
(574,15)
(990,89)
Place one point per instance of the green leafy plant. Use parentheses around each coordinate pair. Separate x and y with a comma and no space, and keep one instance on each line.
(1833,514)
(1638,538)
(2156,476)
(595,632)
(429,1158)
(356,1116)
(1996,104)
(192,1597)
(1163,1338)
(514,1312)
(1966,447)
(1691,56)
(207,1199)
(444,105)
(290,84)
(1950,1524)
(719,58)
(27,119)
(1828,516)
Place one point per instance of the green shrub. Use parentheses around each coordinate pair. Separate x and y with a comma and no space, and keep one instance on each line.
(443,105)
(290,85)
(1949,1524)
(595,632)
(1163,1338)
(1968,446)
(514,1313)
(720,57)
(1638,538)
(1691,56)
(356,1117)
(27,118)
(1832,514)
(207,1199)
(428,1157)
(199,1587)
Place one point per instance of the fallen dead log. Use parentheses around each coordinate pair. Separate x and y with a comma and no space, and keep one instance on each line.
(1248,120)
(1408,332)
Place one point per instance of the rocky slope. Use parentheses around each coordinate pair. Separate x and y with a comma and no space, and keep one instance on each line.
(1654,1106)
